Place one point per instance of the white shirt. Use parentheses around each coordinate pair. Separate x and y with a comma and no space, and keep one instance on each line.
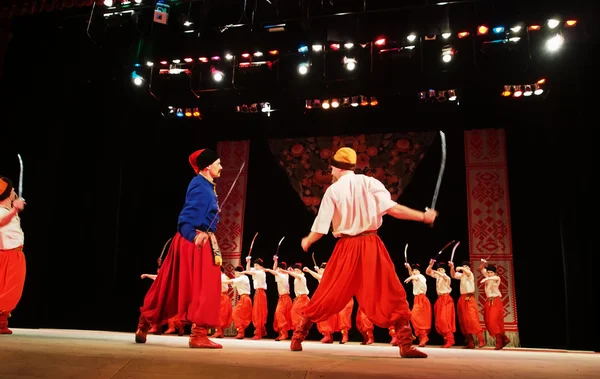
(492,287)
(467,283)
(300,287)
(224,286)
(442,283)
(259,279)
(419,285)
(283,283)
(11,234)
(241,285)
(354,204)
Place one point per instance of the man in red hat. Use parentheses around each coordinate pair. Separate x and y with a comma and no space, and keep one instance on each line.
(189,282)
(360,264)
(12,259)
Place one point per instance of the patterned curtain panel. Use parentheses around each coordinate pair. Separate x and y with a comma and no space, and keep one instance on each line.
(392,158)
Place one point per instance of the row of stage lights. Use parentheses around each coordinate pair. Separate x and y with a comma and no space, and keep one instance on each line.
(438,95)
(346,102)
(350,61)
(524,90)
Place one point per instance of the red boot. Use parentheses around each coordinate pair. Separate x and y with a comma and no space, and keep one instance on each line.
(480,339)
(327,338)
(181,329)
(344,337)
(259,333)
(300,333)
(4,323)
(394,341)
(199,340)
(404,337)
(470,343)
(423,339)
(282,336)
(449,338)
(501,341)
(240,334)
(367,338)
(142,330)
(219,333)
(173,324)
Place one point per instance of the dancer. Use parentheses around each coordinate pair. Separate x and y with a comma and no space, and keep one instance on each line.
(242,312)
(365,327)
(225,314)
(282,322)
(173,323)
(468,314)
(259,309)
(188,284)
(493,312)
(332,324)
(12,260)
(301,299)
(360,264)
(445,315)
(421,310)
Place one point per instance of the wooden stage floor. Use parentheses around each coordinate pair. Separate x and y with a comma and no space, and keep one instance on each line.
(47,353)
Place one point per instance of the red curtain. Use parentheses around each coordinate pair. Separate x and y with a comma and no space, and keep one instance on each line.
(392,158)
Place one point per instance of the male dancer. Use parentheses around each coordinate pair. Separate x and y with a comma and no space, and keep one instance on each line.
(360,264)
(259,309)
(242,312)
(421,310)
(225,317)
(12,259)
(173,323)
(301,292)
(365,327)
(188,284)
(282,322)
(445,316)
(468,314)
(331,325)
(493,312)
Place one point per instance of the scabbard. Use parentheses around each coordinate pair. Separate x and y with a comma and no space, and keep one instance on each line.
(214,245)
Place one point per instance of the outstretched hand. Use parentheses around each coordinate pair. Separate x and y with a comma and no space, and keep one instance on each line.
(407,280)
(429,216)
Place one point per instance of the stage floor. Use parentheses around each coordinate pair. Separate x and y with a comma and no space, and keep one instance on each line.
(47,353)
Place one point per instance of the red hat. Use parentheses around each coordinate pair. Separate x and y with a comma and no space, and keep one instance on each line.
(202,158)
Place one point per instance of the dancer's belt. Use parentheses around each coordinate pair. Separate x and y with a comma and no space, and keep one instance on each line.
(367,233)
(16,249)
(285,294)
(467,295)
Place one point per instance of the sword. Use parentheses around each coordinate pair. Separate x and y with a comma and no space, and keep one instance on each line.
(443,248)
(251,246)
(20,176)
(453,250)
(440,174)
(278,245)
(227,196)
(159,261)
(313,257)
(405,256)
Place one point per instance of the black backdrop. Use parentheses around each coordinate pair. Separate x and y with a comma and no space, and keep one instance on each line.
(105,179)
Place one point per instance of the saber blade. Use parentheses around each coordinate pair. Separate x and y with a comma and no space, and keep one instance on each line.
(279,245)
(20,175)
(441,173)
(227,196)
(313,257)
(252,244)
(453,251)
(405,254)
(444,248)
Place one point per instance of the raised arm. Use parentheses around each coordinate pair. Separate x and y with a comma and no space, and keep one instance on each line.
(313,273)
(466,271)
(429,271)
(407,265)
(293,274)
(452,270)
(275,260)
(482,266)
(248,263)
(149,276)
(273,272)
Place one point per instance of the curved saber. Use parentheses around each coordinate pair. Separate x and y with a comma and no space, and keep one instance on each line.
(440,174)
(227,196)
(444,248)
(454,250)
(405,256)
(252,244)
(279,245)
(314,261)
(163,252)
(20,175)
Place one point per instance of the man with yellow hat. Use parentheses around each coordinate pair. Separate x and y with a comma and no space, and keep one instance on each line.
(188,284)
(360,265)
(12,259)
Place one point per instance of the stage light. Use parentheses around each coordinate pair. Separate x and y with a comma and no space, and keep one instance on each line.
(253,108)
(528,91)
(537,89)
(441,97)
(317,48)
(179,112)
(349,45)
(350,63)
(273,52)
(533,27)
(228,56)
(325,104)
(108,3)
(447,54)
(446,35)
(138,2)
(244,108)
(303,68)
(570,23)
(137,79)
(216,74)
(345,102)
(507,92)
(188,60)
(354,101)
(555,43)
(482,30)
(245,55)
(334,46)
(516,29)
(308,104)
(422,96)
(363,101)
(380,42)
(149,64)
(518,91)
(412,37)
(258,54)
(541,81)
(303,49)
(317,103)
(215,58)
(373,101)
(463,34)
(203,59)
(498,29)
(164,62)
(188,112)
(553,23)
(452,95)
(265,107)
(432,94)
(514,39)
(196,112)
(335,103)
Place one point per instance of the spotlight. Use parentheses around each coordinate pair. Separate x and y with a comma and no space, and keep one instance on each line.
(179,113)
(349,45)
(244,108)
(137,79)
(518,92)
(265,107)
(317,48)
(463,34)
(422,96)
(432,94)
(196,113)
(507,92)
(537,89)
(412,37)
(498,29)
(555,43)
(228,56)
(528,91)
(534,27)
(516,29)
(254,108)
(441,96)
(303,68)
(108,3)
(316,103)
(452,95)
(325,104)
(373,101)
(482,30)
(571,23)
(354,101)
(308,104)
(446,35)
(346,102)
(349,63)
(216,74)
(553,23)
(447,54)
(335,103)
(380,42)
(188,112)
(363,101)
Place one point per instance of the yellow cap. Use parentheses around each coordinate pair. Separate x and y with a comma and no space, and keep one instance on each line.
(344,158)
